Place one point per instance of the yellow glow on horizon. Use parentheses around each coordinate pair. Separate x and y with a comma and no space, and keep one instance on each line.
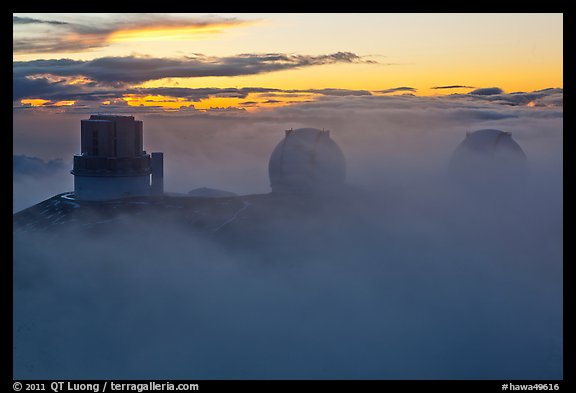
(34,102)
(174,103)
(155,100)
(218,102)
(64,103)
(253,102)
(37,102)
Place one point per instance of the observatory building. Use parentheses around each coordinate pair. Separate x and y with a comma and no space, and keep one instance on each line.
(307,161)
(112,163)
(488,154)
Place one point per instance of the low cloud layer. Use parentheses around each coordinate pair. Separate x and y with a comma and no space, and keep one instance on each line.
(410,276)
(229,149)
(397,286)
(23,165)
(35,179)
(551,97)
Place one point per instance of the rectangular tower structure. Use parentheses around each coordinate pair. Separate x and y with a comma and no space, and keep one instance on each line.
(112,163)
(157,181)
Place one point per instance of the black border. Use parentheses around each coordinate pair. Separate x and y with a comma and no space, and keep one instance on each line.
(350,385)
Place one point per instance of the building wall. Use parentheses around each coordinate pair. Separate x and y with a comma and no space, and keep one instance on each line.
(117,136)
(98,188)
(125,136)
(97,137)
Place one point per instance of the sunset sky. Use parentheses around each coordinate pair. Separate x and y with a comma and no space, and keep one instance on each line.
(173,62)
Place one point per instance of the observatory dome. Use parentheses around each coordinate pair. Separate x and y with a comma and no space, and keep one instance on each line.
(489,153)
(307,160)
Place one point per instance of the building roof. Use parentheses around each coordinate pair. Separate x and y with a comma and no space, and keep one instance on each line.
(109,117)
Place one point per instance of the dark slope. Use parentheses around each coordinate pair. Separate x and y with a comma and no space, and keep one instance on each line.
(63,212)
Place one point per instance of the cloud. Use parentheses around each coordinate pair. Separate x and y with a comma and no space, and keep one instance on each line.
(452,87)
(396,89)
(131,70)
(17,20)
(333,92)
(481,114)
(23,87)
(35,179)
(87,34)
(197,94)
(552,97)
(487,91)
(374,289)
(23,165)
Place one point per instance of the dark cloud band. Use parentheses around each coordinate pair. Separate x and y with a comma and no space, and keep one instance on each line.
(487,91)
(17,20)
(396,89)
(130,69)
(452,87)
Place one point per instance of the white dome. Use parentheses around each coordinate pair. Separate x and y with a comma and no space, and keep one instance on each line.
(488,153)
(307,160)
